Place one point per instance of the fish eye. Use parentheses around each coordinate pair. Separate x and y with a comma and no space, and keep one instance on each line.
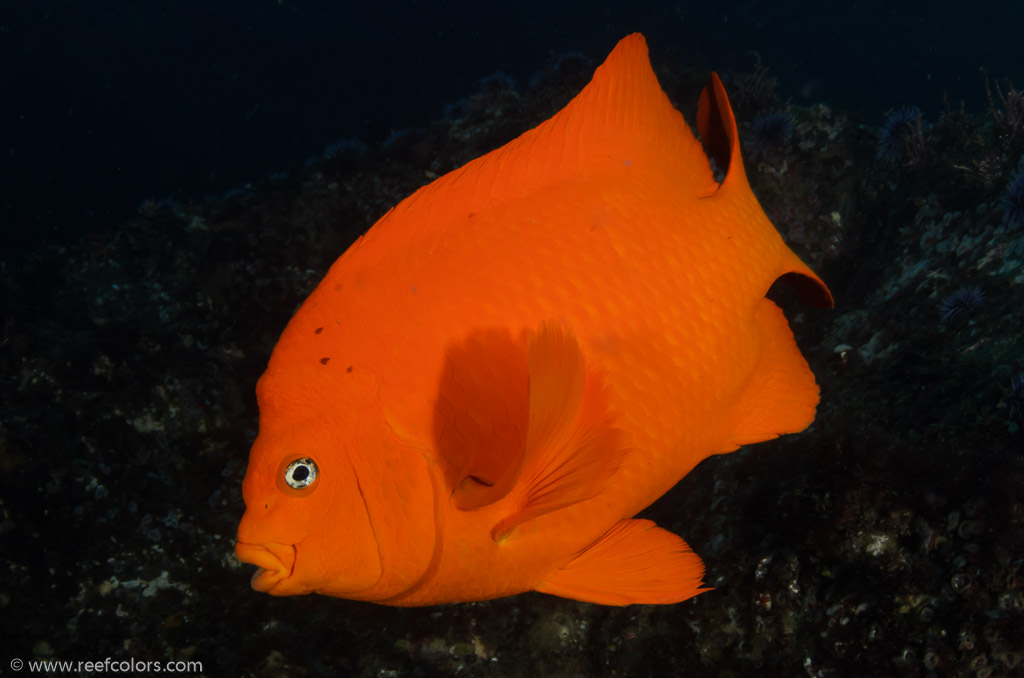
(298,477)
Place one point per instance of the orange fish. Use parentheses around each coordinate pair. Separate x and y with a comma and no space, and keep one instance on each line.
(522,355)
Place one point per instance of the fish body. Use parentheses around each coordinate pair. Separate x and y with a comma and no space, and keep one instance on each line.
(522,355)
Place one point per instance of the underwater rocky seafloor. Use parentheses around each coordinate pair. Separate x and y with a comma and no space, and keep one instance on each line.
(888,539)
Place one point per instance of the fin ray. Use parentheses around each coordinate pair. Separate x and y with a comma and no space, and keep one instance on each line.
(571,450)
(634,562)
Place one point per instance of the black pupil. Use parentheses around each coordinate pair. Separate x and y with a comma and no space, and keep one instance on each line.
(300,473)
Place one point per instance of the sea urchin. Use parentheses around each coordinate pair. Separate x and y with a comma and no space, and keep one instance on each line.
(900,137)
(959,304)
(1014,200)
(1016,398)
(769,132)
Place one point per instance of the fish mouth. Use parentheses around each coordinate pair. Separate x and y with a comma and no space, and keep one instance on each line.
(274,563)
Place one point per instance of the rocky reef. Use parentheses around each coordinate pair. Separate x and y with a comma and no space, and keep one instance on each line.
(888,539)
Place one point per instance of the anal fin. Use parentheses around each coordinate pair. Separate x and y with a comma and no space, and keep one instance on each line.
(634,562)
(782,395)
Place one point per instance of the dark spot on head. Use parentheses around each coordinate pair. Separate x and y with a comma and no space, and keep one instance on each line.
(323,361)
(349,369)
(318,330)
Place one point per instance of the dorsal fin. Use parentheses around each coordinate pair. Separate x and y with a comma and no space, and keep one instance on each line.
(622,118)
(716,124)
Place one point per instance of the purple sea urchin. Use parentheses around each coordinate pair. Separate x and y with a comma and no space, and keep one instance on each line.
(769,131)
(1016,397)
(1014,200)
(900,138)
(965,301)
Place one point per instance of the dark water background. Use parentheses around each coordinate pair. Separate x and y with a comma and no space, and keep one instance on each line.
(107,103)
(886,539)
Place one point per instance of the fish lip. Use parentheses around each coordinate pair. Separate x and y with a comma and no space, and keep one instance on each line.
(275,563)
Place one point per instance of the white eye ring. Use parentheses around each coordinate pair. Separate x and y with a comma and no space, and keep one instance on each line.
(301,473)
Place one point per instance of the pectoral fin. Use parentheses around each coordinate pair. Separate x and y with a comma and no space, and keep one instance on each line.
(572,450)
